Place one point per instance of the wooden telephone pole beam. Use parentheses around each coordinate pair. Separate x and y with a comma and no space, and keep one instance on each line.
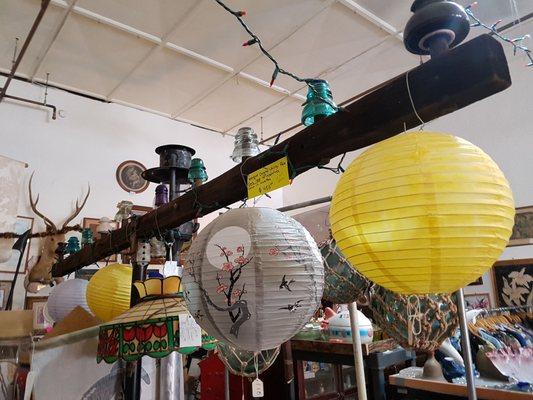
(462,76)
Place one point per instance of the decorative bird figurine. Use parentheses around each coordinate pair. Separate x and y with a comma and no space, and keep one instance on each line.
(286,284)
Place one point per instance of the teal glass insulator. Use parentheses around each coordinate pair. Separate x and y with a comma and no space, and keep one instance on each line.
(319,103)
(87,237)
(73,245)
(197,171)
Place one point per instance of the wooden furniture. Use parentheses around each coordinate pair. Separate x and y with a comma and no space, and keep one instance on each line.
(339,358)
(422,389)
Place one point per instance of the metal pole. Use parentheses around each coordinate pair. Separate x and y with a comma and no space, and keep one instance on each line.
(226,384)
(313,202)
(357,352)
(465,346)
(132,390)
(44,6)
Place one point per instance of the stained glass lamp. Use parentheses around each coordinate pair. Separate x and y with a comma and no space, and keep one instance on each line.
(151,328)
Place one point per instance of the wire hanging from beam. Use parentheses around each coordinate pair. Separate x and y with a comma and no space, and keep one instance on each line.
(277,69)
(517,43)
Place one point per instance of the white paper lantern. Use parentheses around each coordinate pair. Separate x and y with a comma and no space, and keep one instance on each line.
(254,278)
(65,297)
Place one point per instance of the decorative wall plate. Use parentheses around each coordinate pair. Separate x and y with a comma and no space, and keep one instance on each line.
(129,176)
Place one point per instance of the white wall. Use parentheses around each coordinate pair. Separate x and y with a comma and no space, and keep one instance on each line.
(501,125)
(87,146)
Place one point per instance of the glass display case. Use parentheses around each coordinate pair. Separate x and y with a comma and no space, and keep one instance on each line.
(321,381)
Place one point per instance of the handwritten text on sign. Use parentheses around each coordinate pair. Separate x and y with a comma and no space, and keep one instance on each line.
(271,177)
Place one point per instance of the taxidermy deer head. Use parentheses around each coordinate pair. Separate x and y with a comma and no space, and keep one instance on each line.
(41,273)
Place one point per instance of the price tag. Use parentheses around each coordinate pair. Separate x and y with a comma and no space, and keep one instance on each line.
(271,177)
(257,388)
(171,268)
(190,331)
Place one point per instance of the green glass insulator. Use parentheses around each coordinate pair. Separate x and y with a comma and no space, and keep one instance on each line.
(87,237)
(197,171)
(73,245)
(319,103)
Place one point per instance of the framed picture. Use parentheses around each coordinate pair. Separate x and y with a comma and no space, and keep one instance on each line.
(39,320)
(22,224)
(513,282)
(523,227)
(30,300)
(5,287)
(92,224)
(129,176)
(477,301)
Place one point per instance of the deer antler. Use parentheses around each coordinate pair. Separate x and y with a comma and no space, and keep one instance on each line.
(78,207)
(49,224)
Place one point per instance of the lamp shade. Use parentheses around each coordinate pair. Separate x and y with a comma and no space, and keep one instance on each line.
(242,362)
(254,278)
(151,327)
(422,213)
(65,297)
(342,283)
(109,291)
(437,320)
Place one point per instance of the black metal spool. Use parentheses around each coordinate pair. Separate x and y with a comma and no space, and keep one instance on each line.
(174,164)
(435,27)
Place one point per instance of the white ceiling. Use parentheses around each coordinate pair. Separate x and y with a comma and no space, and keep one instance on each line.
(184,59)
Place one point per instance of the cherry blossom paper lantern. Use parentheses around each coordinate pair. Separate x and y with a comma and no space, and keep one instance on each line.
(65,297)
(254,278)
(422,213)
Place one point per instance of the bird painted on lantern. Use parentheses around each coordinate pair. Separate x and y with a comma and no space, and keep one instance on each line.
(286,284)
(292,307)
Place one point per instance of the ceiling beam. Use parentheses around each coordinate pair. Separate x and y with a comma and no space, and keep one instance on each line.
(42,56)
(150,52)
(373,18)
(240,72)
(160,42)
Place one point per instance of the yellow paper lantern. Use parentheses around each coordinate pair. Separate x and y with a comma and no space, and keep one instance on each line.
(109,291)
(422,212)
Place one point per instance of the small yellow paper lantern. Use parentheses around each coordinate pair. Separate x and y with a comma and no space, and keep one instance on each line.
(422,213)
(109,291)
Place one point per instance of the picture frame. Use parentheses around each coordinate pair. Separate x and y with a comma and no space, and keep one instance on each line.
(30,300)
(477,301)
(92,224)
(523,227)
(513,282)
(129,176)
(22,224)
(39,319)
(5,287)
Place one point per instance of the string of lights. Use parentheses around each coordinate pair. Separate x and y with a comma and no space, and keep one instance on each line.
(517,43)
(255,40)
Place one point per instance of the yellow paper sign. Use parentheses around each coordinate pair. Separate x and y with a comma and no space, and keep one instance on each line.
(271,177)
